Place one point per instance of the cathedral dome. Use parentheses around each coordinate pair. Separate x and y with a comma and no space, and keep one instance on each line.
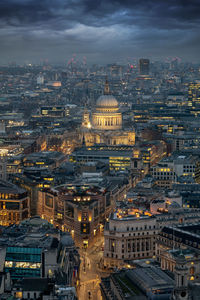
(107,101)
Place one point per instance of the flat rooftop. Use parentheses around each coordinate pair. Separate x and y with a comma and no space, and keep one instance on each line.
(34,232)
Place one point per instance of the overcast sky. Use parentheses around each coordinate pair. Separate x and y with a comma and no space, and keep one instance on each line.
(103,31)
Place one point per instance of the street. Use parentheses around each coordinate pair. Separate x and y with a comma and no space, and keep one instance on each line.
(90,274)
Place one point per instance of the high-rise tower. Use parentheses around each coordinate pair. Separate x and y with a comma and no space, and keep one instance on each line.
(144,66)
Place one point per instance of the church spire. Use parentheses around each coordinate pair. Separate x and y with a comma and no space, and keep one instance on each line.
(106,87)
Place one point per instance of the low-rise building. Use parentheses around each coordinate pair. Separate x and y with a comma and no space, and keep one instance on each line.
(173,238)
(169,169)
(14,204)
(36,249)
(140,283)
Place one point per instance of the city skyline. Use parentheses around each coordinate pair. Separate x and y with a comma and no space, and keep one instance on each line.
(114,31)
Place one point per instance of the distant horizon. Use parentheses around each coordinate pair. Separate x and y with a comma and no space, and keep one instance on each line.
(124,62)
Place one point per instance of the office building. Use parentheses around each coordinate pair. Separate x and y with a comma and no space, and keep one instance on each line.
(35,249)
(78,209)
(14,204)
(131,234)
(144,66)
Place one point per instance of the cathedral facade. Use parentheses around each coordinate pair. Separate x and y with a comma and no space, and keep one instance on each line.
(104,125)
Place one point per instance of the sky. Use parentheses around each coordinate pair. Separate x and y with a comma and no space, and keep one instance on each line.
(103,31)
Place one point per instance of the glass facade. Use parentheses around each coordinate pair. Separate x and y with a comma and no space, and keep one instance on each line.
(23,262)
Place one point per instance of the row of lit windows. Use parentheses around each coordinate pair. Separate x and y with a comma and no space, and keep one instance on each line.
(82,199)
(24,265)
(12,196)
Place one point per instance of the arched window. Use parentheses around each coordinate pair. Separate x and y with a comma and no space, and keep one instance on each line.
(192,270)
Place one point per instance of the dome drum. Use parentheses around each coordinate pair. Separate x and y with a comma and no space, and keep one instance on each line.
(109,121)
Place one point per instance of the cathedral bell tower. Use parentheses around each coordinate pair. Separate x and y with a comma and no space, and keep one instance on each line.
(106,88)
(86,119)
(180,291)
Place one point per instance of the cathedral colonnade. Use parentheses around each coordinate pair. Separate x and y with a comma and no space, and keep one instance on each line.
(107,122)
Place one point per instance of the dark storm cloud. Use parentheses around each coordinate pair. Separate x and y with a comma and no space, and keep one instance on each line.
(94,26)
(92,12)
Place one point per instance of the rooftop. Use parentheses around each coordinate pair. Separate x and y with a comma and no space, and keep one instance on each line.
(150,279)
(34,232)
(7,187)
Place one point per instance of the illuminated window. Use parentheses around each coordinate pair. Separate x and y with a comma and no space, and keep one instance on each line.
(18,295)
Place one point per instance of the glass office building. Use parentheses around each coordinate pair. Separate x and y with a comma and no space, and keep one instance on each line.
(23,262)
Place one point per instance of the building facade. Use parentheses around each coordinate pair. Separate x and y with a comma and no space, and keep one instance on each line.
(14,204)
(130,235)
(35,249)
(80,210)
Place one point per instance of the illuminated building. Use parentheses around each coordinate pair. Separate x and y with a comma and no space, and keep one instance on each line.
(197,173)
(176,99)
(118,157)
(105,125)
(144,66)
(173,238)
(121,157)
(43,288)
(33,179)
(131,234)
(55,84)
(167,258)
(194,94)
(167,171)
(152,151)
(14,204)
(44,159)
(53,111)
(10,150)
(14,165)
(35,249)
(77,209)
(128,237)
